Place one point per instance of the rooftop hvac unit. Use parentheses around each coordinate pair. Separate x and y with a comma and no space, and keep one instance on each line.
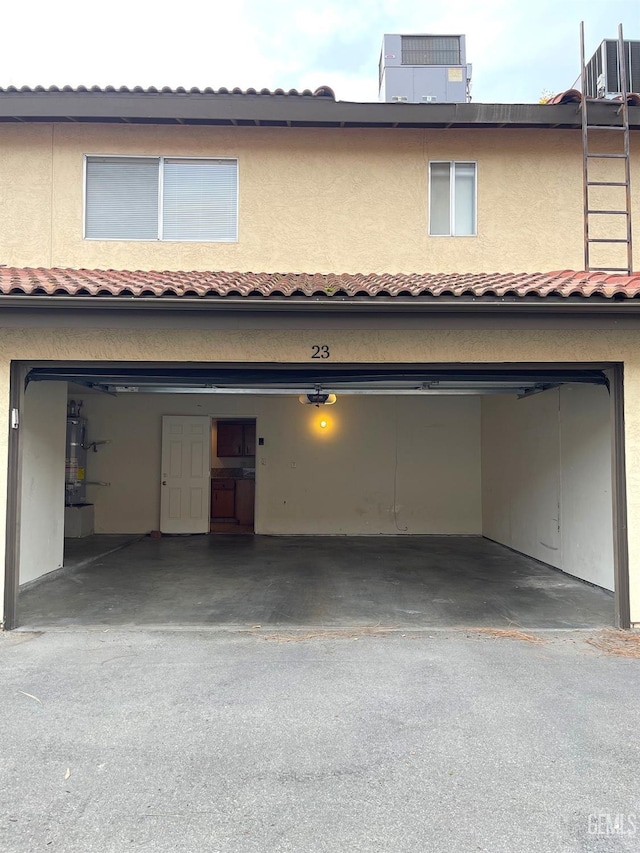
(428,68)
(603,78)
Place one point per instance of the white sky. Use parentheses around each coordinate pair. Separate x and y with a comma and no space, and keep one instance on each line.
(518,47)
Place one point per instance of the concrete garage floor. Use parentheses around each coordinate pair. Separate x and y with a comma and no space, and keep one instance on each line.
(228,742)
(403,582)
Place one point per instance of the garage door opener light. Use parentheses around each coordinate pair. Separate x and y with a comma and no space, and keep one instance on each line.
(318,398)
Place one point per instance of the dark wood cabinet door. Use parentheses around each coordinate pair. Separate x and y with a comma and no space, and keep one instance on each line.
(223,503)
(249,439)
(245,500)
(230,439)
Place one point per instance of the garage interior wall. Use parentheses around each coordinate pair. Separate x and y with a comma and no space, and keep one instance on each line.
(43,469)
(383,464)
(546,478)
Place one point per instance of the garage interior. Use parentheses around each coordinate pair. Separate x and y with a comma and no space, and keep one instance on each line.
(439,496)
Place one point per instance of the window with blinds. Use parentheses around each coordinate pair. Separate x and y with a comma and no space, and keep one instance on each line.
(452,199)
(161,198)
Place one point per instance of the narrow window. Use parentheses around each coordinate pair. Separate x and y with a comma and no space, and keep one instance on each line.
(452,199)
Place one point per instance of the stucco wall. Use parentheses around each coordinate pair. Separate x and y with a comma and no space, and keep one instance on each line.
(42,511)
(314,200)
(383,464)
(421,346)
(546,478)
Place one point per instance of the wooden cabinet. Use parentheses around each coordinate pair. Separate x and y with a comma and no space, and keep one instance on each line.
(235,439)
(245,501)
(249,439)
(230,439)
(233,500)
(223,499)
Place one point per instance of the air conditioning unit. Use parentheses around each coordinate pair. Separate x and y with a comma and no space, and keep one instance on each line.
(602,72)
(425,62)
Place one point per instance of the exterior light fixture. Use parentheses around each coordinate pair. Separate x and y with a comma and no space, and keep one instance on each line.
(323,424)
(317,398)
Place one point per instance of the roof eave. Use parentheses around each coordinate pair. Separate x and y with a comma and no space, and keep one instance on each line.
(440,304)
(303,111)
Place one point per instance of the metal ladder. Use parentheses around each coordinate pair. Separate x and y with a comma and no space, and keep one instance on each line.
(589,155)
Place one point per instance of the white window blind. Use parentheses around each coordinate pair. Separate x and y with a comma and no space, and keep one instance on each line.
(157,198)
(200,200)
(440,199)
(452,199)
(122,198)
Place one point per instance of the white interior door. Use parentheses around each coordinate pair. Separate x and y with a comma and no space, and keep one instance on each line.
(186,474)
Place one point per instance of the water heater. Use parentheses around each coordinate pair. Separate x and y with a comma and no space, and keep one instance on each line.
(75,482)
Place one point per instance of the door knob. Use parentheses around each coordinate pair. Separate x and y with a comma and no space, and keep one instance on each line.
(164,482)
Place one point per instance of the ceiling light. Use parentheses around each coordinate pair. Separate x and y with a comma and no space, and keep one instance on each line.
(317,398)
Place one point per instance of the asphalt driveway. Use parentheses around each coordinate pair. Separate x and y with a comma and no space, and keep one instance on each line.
(243,742)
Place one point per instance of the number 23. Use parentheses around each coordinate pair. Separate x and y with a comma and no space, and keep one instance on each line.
(320,351)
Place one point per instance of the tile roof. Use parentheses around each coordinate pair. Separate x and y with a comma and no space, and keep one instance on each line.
(198,284)
(321,92)
(574,96)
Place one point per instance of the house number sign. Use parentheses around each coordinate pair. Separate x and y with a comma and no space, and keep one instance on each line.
(320,351)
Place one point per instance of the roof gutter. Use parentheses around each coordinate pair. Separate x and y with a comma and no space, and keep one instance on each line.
(331,305)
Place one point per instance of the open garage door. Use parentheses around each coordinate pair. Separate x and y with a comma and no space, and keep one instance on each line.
(518,456)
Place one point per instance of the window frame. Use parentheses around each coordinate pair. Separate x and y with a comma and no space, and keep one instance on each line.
(452,210)
(160,158)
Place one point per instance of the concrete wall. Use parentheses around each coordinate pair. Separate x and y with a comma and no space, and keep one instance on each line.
(314,200)
(546,478)
(382,465)
(44,423)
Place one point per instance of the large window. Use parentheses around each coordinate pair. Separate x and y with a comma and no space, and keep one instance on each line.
(452,199)
(161,198)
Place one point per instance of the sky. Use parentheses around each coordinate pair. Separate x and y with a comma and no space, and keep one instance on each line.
(519,48)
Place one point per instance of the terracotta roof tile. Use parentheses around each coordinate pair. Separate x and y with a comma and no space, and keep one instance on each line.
(321,92)
(121,283)
(574,96)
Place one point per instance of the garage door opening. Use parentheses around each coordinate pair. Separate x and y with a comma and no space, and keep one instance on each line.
(482,495)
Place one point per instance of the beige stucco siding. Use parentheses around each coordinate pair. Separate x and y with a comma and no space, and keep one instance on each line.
(313,200)
(26,204)
(351,346)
